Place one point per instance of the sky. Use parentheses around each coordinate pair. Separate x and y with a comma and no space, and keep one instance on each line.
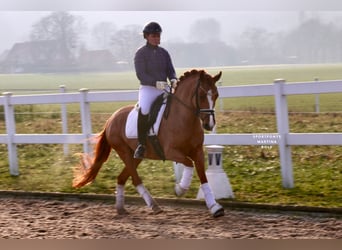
(16,25)
(176,17)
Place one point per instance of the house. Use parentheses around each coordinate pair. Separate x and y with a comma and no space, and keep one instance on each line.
(49,56)
(35,56)
(96,60)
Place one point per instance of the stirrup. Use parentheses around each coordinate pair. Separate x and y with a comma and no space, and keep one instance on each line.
(139,152)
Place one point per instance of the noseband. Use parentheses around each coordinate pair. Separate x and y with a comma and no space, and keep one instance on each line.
(198,109)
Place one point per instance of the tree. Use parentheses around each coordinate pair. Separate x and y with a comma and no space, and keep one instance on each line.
(314,41)
(102,33)
(125,42)
(205,30)
(257,46)
(63,28)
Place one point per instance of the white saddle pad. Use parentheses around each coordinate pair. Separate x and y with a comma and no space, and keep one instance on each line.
(131,129)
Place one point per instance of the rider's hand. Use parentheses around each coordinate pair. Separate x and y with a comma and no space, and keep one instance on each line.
(174,83)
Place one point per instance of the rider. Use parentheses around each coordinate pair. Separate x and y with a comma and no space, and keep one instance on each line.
(153,66)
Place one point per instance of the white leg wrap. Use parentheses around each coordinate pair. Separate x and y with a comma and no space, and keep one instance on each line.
(185,182)
(145,195)
(120,196)
(208,195)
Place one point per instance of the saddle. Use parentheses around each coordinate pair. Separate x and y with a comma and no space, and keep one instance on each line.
(159,109)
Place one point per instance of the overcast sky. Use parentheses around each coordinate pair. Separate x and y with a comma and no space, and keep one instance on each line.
(176,17)
(16,25)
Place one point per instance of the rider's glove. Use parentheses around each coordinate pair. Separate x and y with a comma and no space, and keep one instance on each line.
(174,83)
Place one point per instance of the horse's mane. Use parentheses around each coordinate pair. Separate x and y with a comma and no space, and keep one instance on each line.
(190,73)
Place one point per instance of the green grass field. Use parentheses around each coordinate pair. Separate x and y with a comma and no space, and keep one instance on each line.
(127,80)
(254,172)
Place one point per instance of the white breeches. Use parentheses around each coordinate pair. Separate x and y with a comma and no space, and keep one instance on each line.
(147,95)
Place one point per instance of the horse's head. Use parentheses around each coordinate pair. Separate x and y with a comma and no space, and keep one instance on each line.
(206,96)
(197,92)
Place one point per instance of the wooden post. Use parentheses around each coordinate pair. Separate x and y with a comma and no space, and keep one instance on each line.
(64,117)
(10,128)
(283,130)
(317,98)
(85,119)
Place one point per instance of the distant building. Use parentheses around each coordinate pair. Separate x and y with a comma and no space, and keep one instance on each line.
(96,60)
(49,56)
(35,56)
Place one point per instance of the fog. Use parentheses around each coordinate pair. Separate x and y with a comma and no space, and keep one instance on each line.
(16,25)
(194,38)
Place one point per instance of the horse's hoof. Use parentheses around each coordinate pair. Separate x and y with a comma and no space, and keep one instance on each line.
(156,209)
(217,210)
(179,191)
(122,211)
(218,213)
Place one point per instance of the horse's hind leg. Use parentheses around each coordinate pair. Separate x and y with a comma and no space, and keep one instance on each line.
(182,187)
(131,170)
(120,192)
(150,202)
(144,193)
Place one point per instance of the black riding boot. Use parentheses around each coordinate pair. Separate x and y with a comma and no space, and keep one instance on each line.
(142,134)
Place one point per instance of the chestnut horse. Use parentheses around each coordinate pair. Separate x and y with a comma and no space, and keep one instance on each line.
(181,136)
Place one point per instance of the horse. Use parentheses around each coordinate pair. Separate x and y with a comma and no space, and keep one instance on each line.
(181,135)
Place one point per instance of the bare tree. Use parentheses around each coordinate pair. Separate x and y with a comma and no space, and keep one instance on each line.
(102,33)
(205,30)
(257,46)
(125,42)
(314,41)
(61,27)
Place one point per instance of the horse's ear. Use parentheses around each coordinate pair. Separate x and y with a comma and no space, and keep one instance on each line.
(217,77)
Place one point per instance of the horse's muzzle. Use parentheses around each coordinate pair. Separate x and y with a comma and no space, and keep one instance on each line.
(208,123)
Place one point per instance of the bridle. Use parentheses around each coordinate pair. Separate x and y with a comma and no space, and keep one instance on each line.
(198,110)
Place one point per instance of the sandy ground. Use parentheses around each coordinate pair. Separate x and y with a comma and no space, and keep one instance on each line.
(22,218)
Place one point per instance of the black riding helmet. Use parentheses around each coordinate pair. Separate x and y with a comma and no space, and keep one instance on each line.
(152,28)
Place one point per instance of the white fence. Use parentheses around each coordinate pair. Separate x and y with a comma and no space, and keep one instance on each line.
(279,89)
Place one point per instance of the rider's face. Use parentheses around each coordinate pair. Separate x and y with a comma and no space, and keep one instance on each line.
(153,39)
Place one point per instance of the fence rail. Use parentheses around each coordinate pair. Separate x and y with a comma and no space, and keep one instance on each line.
(279,89)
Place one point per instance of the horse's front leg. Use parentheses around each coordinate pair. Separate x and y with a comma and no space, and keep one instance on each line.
(215,208)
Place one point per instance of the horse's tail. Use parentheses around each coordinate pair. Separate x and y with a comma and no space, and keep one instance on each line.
(89,167)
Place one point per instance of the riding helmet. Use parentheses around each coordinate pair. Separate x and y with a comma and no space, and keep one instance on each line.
(152,28)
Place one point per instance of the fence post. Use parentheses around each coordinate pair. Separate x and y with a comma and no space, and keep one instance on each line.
(10,129)
(64,120)
(220,99)
(317,98)
(283,130)
(85,119)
